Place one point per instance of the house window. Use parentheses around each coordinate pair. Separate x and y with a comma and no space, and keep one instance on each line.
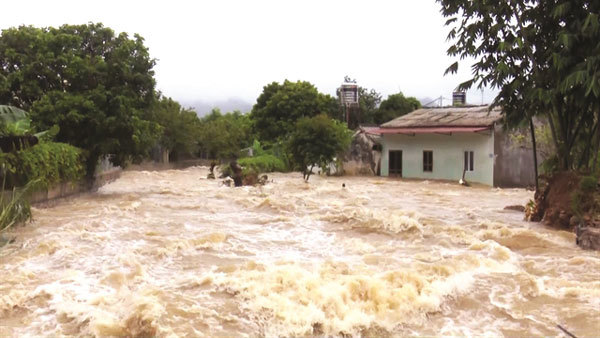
(427,160)
(468,161)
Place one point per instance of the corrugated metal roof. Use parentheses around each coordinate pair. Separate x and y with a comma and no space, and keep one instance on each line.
(479,116)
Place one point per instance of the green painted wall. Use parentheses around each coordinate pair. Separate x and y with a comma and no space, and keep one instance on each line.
(448,155)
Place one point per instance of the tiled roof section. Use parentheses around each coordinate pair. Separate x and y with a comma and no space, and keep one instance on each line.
(373,130)
(478,116)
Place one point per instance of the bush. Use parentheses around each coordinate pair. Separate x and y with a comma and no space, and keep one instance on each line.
(263,164)
(583,199)
(588,184)
(48,162)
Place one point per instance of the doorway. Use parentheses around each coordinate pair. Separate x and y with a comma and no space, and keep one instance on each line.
(395,163)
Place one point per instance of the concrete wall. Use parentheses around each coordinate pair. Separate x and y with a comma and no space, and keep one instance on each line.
(514,160)
(448,155)
(66,189)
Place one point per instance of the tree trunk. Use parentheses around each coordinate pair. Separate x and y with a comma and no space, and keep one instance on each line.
(535,163)
(553,132)
(589,148)
(309,172)
(91,163)
(597,149)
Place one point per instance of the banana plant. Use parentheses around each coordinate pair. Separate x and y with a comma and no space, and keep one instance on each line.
(14,121)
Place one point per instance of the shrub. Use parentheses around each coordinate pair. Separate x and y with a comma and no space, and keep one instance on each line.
(263,164)
(583,199)
(47,162)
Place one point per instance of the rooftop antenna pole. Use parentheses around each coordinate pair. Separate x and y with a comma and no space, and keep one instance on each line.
(482,96)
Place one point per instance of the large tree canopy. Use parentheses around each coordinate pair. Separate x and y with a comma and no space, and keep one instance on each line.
(394,106)
(91,82)
(279,106)
(544,56)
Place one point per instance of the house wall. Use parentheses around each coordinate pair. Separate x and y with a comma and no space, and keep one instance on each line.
(448,155)
(514,166)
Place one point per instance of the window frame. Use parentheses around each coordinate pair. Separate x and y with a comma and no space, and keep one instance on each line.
(428,162)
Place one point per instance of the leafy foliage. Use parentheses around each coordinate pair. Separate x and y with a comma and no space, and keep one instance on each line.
(316,141)
(14,121)
(92,83)
(179,128)
(394,106)
(46,163)
(15,208)
(544,56)
(263,163)
(584,199)
(222,136)
(368,101)
(279,106)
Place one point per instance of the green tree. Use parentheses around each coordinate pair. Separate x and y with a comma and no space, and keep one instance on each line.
(368,101)
(95,85)
(316,141)
(544,56)
(180,128)
(279,106)
(222,136)
(394,106)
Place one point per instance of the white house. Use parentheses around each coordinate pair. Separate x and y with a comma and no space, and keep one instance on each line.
(441,143)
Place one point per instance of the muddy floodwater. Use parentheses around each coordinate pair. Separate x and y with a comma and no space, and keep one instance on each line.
(173,254)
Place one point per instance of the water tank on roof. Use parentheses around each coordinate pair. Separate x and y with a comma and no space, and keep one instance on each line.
(349,93)
(459,98)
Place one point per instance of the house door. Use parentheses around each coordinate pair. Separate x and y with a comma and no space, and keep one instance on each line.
(395,163)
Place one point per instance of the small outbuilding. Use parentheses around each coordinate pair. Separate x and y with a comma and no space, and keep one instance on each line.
(445,143)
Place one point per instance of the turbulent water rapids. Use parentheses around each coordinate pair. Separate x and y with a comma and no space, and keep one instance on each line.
(173,254)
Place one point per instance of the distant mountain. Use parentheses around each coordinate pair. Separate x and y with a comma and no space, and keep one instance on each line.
(202,107)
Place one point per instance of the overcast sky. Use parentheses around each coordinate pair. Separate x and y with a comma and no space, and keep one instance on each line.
(216,50)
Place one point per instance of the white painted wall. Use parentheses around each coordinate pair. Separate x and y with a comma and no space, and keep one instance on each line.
(448,155)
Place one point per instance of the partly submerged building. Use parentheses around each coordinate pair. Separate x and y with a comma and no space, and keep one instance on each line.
(442,143)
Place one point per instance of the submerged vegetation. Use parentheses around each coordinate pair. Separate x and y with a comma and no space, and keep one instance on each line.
(15,205)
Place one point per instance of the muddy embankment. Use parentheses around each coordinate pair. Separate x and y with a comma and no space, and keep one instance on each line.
(569,202)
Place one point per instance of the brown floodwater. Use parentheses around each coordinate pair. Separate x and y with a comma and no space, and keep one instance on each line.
(172,254)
